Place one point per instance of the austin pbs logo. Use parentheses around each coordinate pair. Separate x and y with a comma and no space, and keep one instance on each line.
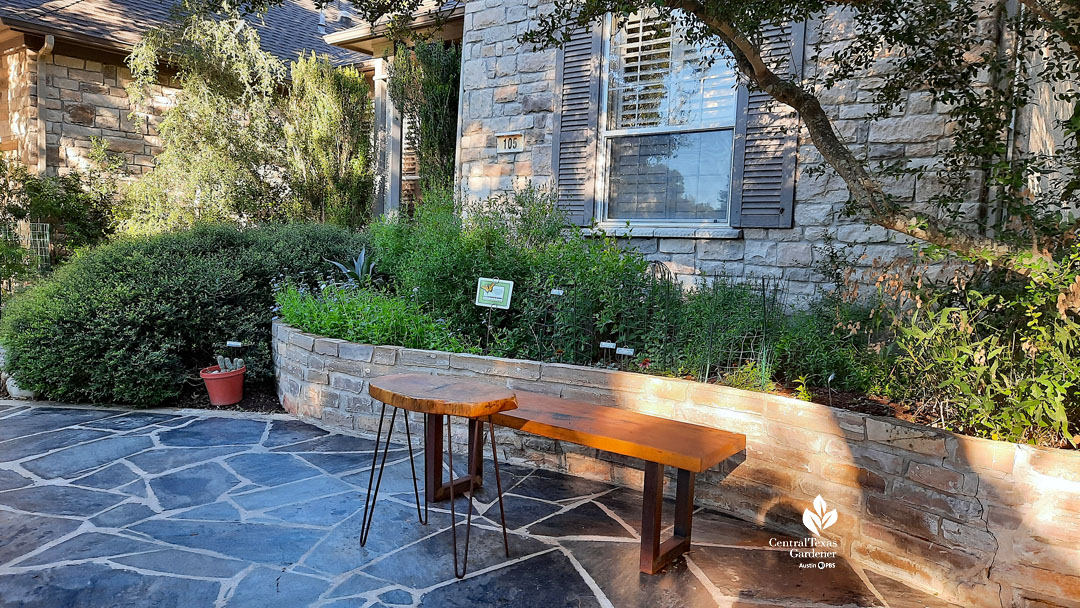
(820,518)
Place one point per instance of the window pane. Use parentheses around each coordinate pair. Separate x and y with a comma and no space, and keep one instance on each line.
(656,79)
(672,176)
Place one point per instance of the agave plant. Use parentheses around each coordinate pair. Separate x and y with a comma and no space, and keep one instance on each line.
(360,272)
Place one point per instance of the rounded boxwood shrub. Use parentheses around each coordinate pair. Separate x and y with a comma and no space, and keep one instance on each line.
(132,321)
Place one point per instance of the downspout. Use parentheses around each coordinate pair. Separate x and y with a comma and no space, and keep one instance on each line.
(42,151)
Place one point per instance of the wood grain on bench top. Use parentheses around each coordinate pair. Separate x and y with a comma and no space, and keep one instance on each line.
(670,442)
(441,395)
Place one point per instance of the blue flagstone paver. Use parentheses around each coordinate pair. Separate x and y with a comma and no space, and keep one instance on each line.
(108,478)
(166,459)
(198,485)
(257,543)
(284,432)
(10,480)
(332,443)
(39,443)
(84,457)
(131,421)
(356,585)
(271,469)
(97,586)
(296,491)
(273,587)
(184,563)
(203,433)
(60,500)
(325,511)
(125,514)
(396,597)
(87,545)
(47,419)
(219,511)
(23,533)
(584,520)
(103,508)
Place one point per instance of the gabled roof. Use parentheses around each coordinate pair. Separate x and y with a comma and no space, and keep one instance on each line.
(287,30)
(372,38)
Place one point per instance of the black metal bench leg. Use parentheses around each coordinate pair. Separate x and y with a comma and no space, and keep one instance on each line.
(373,492)
(412,464)
(654,554)
(498,486)
(453,512)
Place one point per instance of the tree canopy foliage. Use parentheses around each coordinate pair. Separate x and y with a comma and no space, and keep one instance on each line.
(249,137)
(983,61)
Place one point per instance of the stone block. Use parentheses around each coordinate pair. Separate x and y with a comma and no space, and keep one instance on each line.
(940,478)
(955,507)
(915,438)
(494,366)
(538,103)
(424,358)
(854,476)
(327,346)
(720,249)
(898,516)
(1060,464)
(796,437)
(385,355)
(355,352)
(302,340)
(907,129)
(349,383)
(794,254)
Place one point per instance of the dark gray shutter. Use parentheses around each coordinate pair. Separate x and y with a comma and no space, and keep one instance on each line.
(573,146)
(766,139)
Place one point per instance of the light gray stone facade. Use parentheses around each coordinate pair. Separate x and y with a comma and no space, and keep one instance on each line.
(507,86)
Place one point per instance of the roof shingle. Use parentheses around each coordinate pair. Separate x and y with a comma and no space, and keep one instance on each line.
(286,31)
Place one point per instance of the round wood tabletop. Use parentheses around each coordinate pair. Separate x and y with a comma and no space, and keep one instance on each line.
(445,395)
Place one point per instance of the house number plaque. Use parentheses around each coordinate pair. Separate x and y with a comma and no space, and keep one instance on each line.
(509,143)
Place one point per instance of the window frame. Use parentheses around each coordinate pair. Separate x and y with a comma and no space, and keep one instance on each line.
(604,135)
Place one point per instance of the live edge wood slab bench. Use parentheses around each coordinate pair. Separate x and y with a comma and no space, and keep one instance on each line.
(658,441)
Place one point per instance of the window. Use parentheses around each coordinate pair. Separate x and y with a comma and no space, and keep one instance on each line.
(667,128)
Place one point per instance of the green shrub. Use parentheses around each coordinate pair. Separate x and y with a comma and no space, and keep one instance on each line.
(831,339)
(364,316)
(987,359)
(131,321)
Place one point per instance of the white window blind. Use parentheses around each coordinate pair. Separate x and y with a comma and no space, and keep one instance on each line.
(657,79)
(669,125)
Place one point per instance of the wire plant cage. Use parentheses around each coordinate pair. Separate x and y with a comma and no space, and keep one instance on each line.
(33,237)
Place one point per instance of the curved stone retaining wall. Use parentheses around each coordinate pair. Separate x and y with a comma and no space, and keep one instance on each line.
(978,522)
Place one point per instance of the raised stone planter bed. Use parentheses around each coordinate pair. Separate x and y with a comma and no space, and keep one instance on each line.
(978,522)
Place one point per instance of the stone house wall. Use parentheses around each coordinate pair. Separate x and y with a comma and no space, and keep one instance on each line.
(84,98)
(18,122)
(977,522)
(511,87)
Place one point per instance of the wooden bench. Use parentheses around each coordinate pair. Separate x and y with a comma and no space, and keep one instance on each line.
(658,441)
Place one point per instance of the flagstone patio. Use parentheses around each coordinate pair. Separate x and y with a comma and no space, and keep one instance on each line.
(108,507)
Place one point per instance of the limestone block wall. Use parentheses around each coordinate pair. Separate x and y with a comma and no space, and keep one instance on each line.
(978,522)
(506,86)
(18,106)
(86,98)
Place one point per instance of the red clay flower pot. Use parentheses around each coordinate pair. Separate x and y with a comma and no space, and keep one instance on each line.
(225,388)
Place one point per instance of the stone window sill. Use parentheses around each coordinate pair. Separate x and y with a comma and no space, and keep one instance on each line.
(686,232)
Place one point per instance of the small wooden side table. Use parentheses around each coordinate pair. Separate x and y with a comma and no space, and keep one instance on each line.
(439,397)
